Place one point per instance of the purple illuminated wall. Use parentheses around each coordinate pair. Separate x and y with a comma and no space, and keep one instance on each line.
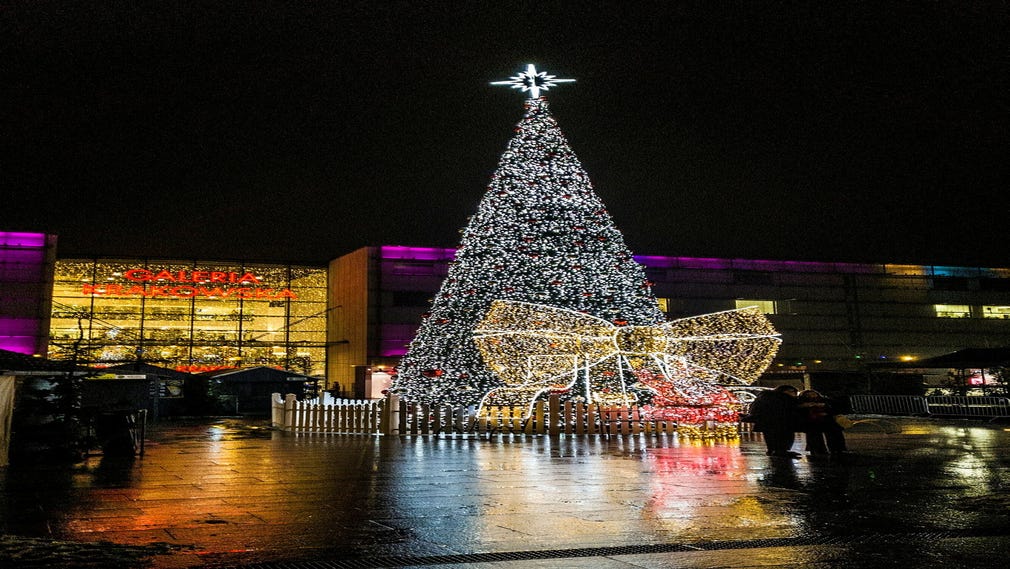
(26,279)
(663,262)
(398,252)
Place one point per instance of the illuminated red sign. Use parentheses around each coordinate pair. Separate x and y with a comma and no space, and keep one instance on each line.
(171,289)
(145,275)
(201,368)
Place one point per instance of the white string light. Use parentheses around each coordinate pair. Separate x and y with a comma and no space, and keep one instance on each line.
(535,349)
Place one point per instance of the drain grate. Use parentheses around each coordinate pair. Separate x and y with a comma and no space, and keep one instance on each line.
(395,561)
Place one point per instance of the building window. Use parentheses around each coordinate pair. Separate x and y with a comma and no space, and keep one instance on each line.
(996,311)
(412,298)
(753,278)
(952,310)
(418,268)
(655,274)
(990,283)
(950,283)
(677,307)
(766,306)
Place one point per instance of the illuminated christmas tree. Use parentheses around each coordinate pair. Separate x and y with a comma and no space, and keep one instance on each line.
(544,296)
(540,235)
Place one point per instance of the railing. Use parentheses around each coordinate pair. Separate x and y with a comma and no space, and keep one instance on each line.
(969,406)
(889,404)
(394,417)
(949,406)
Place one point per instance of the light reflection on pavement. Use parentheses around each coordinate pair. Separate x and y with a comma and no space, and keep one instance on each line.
(236,492)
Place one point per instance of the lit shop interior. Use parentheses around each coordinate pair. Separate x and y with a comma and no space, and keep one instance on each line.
(190,316)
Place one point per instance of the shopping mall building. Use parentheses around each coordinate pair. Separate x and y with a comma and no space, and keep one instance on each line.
(349,322)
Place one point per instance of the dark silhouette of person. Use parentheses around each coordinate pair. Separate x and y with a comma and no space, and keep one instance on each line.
(774,415)
(816,418)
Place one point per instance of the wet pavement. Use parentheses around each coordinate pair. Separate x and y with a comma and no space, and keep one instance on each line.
(233,493)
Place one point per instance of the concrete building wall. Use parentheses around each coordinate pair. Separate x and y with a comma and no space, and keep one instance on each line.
(350,309)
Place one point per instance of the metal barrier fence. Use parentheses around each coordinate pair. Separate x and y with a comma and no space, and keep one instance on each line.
(969,406)
(941,406)
(889,404)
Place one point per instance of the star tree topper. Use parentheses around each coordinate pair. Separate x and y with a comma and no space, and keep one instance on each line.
(533,81)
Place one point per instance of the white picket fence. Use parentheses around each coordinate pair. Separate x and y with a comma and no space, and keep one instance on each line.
(357,417)
(392,416)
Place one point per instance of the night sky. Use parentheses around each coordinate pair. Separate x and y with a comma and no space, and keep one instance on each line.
(823,131)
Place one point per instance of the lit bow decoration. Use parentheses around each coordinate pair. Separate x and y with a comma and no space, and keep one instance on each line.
(536,348)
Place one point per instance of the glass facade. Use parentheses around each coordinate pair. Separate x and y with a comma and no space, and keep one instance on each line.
(765,306)
(190,315)
(952,310)
(1001,312)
